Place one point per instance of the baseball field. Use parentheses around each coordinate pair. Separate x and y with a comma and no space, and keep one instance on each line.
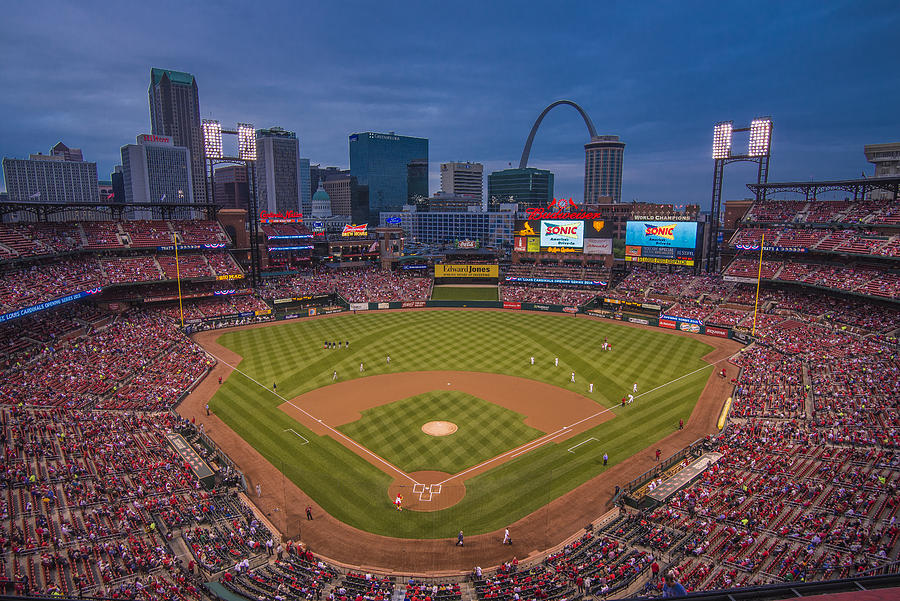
(346,425)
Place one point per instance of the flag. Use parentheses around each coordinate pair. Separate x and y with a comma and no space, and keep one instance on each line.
(374,245)
(35,196)
(163,199)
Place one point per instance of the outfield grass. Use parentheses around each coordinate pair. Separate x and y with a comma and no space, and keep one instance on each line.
(352,490)
(394,431)
(464,293)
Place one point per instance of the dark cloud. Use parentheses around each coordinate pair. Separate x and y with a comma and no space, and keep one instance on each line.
(472,78)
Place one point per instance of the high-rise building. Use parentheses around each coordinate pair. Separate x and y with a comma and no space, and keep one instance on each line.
(463,179)
(232,187)
(530,187)
(118,181)
(68,154)
(886,158)
(340,190)
(394,168)
(156,170)
(305,187)
(51,178)
(175,113)
(603,168)
(491,228)
(278,170)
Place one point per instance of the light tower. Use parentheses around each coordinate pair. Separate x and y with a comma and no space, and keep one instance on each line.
(212,143)
(758,152)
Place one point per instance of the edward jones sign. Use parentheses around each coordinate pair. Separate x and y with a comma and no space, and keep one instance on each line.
(465,271)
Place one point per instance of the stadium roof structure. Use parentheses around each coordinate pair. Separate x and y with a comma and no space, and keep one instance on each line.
(115,209)
(859,187)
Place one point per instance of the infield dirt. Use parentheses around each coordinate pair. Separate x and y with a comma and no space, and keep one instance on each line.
(284,503)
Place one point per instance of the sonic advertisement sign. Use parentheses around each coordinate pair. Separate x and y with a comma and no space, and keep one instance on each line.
(565,234)
(668,242)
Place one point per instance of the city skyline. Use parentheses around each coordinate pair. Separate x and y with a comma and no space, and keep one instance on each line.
(691,66)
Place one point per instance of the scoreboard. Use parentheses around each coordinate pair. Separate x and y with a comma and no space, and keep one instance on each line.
(666,242)
(589,236)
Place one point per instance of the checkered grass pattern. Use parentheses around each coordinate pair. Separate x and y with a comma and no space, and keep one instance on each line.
(352,490)
(394,431)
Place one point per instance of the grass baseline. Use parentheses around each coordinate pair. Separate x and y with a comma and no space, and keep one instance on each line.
(352,490)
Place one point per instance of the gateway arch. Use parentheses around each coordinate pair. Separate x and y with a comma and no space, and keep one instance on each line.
(602,157)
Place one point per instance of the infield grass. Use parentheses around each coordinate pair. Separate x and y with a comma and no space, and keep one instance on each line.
(465,293)
(354,491)
(394,431)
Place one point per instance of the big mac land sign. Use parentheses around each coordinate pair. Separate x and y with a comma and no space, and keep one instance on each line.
(560,208)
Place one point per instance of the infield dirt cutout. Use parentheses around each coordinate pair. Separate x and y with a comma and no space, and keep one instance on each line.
(439,428)
(547,408)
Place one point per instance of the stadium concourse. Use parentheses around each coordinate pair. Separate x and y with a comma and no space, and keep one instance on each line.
(97,502)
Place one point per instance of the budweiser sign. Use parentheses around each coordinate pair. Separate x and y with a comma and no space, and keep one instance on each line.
(560,208)
(355,230)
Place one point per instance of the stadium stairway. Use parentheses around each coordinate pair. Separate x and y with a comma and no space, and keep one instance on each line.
(399,593)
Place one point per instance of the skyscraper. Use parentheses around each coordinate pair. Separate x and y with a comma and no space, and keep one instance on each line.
(156,170)
(531,188)
(175,113)
(278,170)
(232,187)
(51,178)
(603,168)
(305,187)
(463,179)
(395,169)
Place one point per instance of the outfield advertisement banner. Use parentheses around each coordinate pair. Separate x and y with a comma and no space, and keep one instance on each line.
(717,332)
(466,271)
(359,306)
(689,327)
(665,323)
(508,305)
(680,319)
(412,304)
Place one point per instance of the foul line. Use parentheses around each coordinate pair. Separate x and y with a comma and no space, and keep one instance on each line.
(581,443)
(314,418)
(530,446)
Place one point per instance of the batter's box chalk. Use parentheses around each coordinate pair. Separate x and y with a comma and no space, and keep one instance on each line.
(418,488)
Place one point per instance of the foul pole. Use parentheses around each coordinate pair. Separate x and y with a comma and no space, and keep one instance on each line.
(762,242)
(178,276)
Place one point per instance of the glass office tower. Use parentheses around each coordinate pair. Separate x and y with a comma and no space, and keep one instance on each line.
(395,169)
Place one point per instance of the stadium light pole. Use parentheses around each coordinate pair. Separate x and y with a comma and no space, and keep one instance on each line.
(212,141)
(758,151)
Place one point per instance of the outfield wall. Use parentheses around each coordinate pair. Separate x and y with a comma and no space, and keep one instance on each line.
(667,322)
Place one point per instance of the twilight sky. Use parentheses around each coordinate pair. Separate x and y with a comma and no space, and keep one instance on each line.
(472,77)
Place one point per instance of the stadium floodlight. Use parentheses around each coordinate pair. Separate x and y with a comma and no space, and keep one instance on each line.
(760,136)
(212,138)
(247,141)
(722,139)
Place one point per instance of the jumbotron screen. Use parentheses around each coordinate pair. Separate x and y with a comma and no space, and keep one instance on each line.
(589,236)
(668,242)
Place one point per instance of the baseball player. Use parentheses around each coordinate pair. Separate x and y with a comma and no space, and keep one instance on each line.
(591,387)
(334,376)
(556,362)
(532,360)
(572,379)
(361,369)
(630,399)
(398,502)
(388,359)
(634,388)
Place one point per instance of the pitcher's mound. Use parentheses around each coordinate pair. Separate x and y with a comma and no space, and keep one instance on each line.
(439,428)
